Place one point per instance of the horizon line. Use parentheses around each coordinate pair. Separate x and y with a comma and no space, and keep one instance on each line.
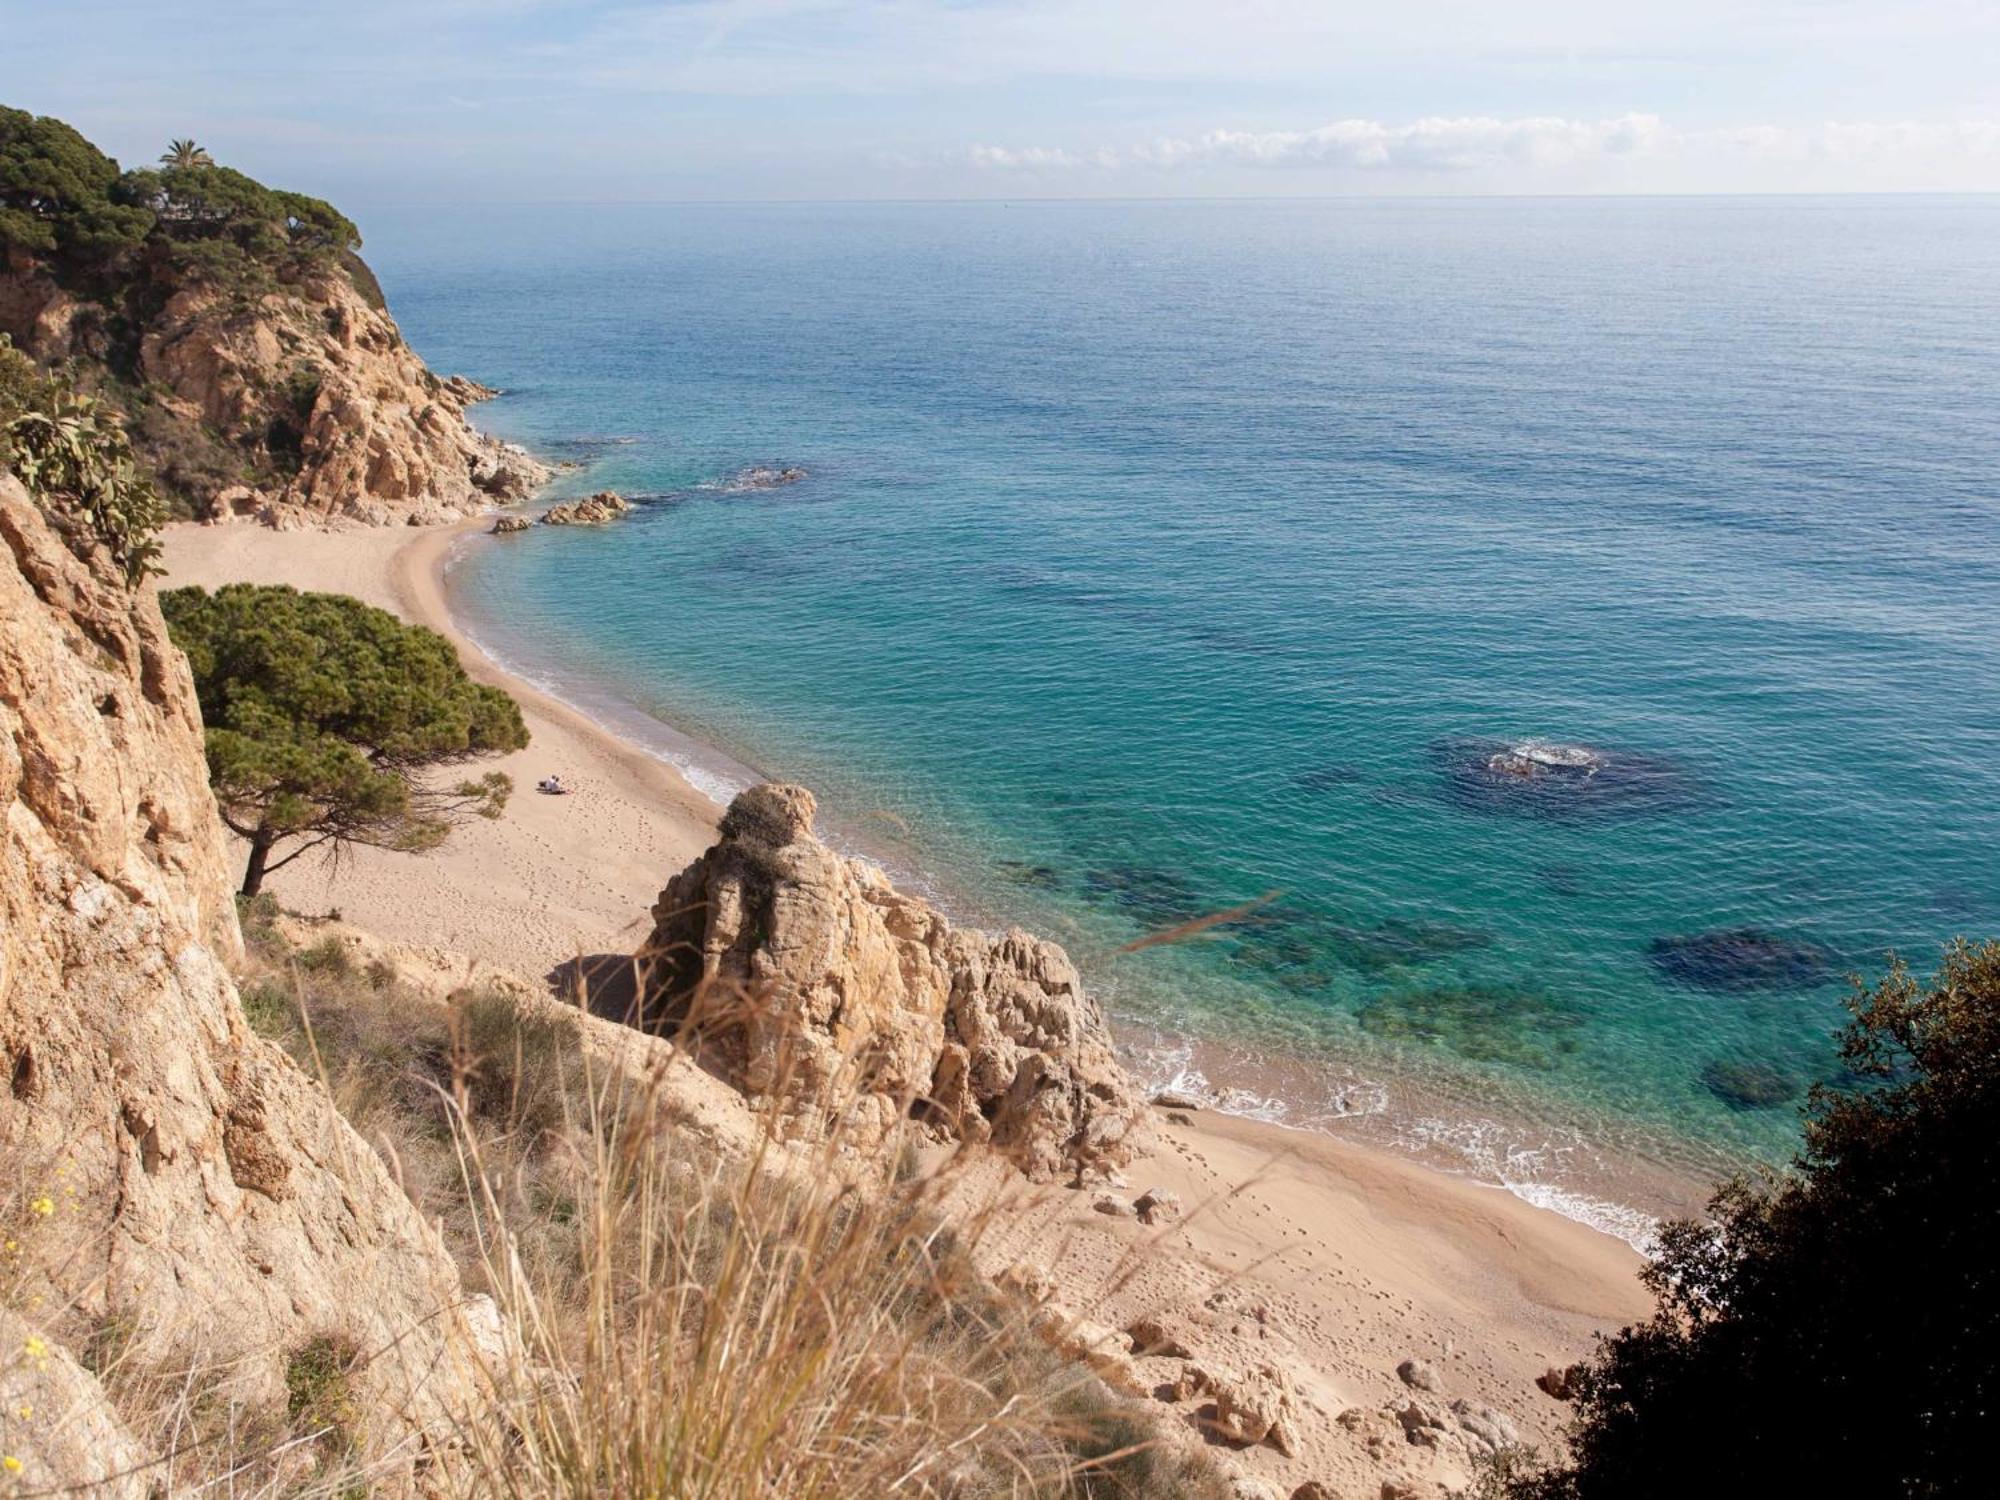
(1104,198)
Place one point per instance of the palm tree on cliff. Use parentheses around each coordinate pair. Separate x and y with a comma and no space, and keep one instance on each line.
(185,154)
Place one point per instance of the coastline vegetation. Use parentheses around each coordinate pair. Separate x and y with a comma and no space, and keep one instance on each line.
(325,719)
(102,231)
(72,454)
(127,243)
(1834,1330)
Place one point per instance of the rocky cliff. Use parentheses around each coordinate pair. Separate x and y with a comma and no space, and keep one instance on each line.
(302,404)
(175,1178)
(807,978)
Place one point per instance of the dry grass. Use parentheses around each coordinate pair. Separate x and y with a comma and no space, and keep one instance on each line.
(683,1323)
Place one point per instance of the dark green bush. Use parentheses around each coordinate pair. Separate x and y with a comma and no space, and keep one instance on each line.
(1837,1331)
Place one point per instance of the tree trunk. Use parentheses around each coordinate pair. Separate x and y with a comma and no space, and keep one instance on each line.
(260,852)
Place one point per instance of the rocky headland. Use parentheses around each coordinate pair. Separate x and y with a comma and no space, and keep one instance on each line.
(246,345)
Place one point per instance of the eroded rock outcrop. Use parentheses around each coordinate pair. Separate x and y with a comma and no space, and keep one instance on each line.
(204,1197)
(311,387)
(807,977)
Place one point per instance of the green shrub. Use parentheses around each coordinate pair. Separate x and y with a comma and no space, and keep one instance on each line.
(318,1401)
(1836,1331)
(72,455)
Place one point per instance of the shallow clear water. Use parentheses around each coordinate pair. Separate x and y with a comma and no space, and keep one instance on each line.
(1157,556)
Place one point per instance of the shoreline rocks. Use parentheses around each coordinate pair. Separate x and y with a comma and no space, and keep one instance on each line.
(764,477)
(605,505)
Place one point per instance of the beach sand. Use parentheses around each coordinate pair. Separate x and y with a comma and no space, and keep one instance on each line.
(1334,1259)
(554,878)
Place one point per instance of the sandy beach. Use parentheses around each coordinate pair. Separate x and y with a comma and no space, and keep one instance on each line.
(555,877)
(1335,1259)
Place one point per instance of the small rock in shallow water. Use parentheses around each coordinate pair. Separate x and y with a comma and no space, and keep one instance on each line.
(1538,778)
(506,525)
(1748,1085)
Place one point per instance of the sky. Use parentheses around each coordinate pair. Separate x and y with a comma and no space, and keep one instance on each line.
(651,100)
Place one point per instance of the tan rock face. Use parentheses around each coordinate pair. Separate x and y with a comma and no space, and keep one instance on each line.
(207,1195)
(379,438)
(57,1424)
(810,979)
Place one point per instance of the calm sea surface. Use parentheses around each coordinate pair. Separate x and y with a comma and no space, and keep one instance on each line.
(1585,615)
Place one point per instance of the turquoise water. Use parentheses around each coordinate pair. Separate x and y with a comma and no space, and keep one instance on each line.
(1154,557)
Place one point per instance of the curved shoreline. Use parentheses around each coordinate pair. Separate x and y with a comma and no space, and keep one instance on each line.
(1451,1136)
(559,877)
(1372,1254)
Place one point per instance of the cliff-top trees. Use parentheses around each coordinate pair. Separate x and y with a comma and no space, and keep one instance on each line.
(1838,1334)
(326,717)
(66,206)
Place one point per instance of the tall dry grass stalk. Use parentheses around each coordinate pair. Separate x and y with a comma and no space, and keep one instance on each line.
(788,1321)
(683,1314)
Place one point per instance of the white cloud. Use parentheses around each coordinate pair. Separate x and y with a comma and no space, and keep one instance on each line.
(1522,146)
(1434,144)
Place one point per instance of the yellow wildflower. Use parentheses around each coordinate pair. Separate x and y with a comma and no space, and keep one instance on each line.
(44,1205)
(36,1347)
(11,1464)
(26,1413)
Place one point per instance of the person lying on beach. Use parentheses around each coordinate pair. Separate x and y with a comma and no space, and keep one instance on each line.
(552,785)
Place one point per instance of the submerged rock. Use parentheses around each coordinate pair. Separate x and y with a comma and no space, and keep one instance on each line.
(1741,959)
(1155,896)
(807,978)
(1545,779)
(1748,1085)
(1035,876)
(1486,1023)
(763,477)
(1399,942)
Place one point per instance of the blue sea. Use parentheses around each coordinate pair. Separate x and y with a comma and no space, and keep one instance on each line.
(1577,622)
